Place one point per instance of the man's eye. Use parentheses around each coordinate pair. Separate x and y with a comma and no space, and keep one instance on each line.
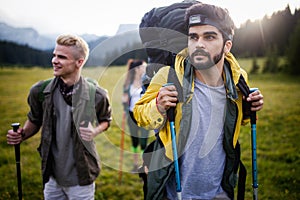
(210,37)
(193,37)
(62,57)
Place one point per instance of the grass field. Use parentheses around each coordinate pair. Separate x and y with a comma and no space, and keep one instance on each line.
(277,140)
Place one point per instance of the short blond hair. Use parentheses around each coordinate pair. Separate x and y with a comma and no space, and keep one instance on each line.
(77,42)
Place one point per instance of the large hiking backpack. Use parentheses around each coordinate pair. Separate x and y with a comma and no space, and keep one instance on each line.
(163,33)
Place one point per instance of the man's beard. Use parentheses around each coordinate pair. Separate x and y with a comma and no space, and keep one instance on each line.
(209,63)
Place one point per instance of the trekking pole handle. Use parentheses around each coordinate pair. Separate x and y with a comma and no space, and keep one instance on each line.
(171,115)
(253,113)
(170,111)
(15,126)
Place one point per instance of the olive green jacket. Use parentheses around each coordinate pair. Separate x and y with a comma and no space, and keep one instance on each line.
(43,115)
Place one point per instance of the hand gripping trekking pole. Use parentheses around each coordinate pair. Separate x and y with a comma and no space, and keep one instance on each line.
(253,144)
(171,117)
(15,127)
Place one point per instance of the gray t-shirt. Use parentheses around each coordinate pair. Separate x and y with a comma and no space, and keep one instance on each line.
(202,163)
(64,166)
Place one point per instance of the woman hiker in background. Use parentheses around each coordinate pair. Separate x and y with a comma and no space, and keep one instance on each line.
(132,91)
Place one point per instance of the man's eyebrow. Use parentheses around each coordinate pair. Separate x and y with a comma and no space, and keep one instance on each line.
(205,33)
(210,33)
(192,34)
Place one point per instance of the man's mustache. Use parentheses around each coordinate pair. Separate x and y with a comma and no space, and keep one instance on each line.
(200,52)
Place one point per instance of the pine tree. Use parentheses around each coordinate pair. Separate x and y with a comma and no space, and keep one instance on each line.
(293,52)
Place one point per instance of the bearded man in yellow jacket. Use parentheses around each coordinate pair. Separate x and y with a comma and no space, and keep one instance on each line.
(209,108)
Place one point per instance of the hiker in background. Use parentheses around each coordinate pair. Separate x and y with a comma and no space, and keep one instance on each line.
(209,112)
(132,91)
(72,111)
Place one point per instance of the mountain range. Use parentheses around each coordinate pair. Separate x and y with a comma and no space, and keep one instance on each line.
(30,37)
(104,50)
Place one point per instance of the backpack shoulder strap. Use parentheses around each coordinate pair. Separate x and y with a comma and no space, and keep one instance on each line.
(92,88)
(244,88)
(93,84)
(173,78)
(41,95)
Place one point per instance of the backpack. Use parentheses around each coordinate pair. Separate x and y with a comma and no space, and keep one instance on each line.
(163,33)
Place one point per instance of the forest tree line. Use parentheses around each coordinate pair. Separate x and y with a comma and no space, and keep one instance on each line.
(268,34)
(276,35)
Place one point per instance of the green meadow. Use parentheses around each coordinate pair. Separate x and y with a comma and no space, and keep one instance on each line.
(277,137)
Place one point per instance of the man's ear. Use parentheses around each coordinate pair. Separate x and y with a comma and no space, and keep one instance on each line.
(79,62)
(227,46)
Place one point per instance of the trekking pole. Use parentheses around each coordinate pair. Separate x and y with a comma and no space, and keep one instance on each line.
(15,127)
(122,147)
(171,117)
(253,144)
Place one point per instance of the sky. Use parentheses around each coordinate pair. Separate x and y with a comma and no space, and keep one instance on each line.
(103,17)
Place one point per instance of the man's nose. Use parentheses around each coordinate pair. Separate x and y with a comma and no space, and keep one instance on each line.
(54,59)
(200,43)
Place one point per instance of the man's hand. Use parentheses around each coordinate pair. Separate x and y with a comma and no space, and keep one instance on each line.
(257,100)
(166,98)
(87,132)
(14,138)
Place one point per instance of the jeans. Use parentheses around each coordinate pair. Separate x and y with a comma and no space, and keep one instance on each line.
(53,191)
